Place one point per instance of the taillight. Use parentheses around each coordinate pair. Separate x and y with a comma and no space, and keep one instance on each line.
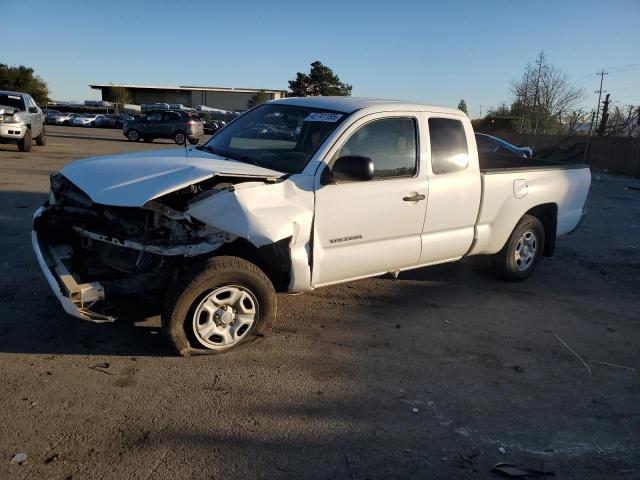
(190,123)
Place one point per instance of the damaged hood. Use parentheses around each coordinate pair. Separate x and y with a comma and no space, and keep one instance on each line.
(132,179)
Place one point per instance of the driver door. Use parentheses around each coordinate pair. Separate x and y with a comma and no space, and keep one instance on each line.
(370,227)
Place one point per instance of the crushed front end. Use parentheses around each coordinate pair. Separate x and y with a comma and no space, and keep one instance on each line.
(91,254)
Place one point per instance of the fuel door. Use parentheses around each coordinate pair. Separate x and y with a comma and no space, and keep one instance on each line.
(520,188)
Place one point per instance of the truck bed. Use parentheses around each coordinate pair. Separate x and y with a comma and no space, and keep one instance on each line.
(500,163)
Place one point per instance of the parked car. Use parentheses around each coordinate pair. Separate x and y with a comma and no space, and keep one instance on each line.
(63,118)
(491,144)
(86,120)
(21,120)
(213,232)
(212,126)
(50,114)
(180,126)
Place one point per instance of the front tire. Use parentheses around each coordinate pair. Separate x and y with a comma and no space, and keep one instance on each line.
(24,145)
(133,135)
(520,256)
(218,306)
(41,140)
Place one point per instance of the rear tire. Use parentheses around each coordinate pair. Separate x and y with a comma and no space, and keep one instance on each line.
(41,140)
(193,305)
(194,141)
(24,145)
(519,257)
(133,135)
(179,137)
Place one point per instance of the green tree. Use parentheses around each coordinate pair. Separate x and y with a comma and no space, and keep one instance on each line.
(319,81)
(463,106)
(22,79)
(258,99)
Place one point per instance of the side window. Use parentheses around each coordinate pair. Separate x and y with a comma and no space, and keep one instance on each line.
(170,117)
(390,143)
(153,117)
(449,151)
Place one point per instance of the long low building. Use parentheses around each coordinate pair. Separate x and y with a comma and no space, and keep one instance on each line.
(215,97)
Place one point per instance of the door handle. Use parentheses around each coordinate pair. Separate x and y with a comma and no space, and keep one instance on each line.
(414,198)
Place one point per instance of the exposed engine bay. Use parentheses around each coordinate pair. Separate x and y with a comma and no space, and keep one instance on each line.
(127,249)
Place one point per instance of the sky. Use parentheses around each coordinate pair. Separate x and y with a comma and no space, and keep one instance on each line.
(432,52)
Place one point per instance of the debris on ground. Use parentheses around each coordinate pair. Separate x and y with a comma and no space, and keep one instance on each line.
(502,450)
(612,365)
(574,353)
(518,368)
(19,458)
(101,367)
(415,410)
(513,471)
(52,458)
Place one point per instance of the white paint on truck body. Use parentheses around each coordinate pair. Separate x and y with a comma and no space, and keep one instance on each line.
(340,232)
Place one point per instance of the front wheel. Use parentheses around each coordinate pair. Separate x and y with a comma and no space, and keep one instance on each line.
(224,303)
(133,135)
(519,257)
(24,145)
(41,140)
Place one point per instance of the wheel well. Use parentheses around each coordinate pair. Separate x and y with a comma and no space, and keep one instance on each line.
(547,214)
(273,259)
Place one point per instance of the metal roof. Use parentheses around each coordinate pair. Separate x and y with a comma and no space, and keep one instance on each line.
(185,87)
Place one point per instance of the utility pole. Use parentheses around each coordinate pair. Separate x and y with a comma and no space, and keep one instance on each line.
(599,92)
(605,117)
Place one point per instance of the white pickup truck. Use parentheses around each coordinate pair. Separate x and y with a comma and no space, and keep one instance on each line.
(293,195)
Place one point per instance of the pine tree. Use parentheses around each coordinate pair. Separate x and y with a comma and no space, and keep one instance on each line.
(463,106)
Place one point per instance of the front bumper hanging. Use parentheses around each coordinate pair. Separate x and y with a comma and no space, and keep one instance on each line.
(76,298)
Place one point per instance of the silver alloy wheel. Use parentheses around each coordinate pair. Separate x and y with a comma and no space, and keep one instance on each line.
(133,136)
(179,138)
(525,250)
(224,317)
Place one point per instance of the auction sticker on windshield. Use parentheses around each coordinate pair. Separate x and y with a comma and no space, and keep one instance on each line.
(323,117)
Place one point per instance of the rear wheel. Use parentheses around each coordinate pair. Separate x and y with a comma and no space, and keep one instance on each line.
(194,141)
(214,308)
(41,140)
(179,138)
(519,257)
(24,145)
(133,135)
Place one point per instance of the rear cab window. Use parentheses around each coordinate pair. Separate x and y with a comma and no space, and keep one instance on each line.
(449,150)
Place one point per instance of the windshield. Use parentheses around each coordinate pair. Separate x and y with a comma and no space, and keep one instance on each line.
(14,101)
(275,136)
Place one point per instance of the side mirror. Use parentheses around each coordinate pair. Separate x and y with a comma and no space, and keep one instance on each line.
(350,168)
(33,110)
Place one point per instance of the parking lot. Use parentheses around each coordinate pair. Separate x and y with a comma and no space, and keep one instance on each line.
(441,373)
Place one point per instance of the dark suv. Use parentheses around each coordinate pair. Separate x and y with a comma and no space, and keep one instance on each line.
(178,125)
